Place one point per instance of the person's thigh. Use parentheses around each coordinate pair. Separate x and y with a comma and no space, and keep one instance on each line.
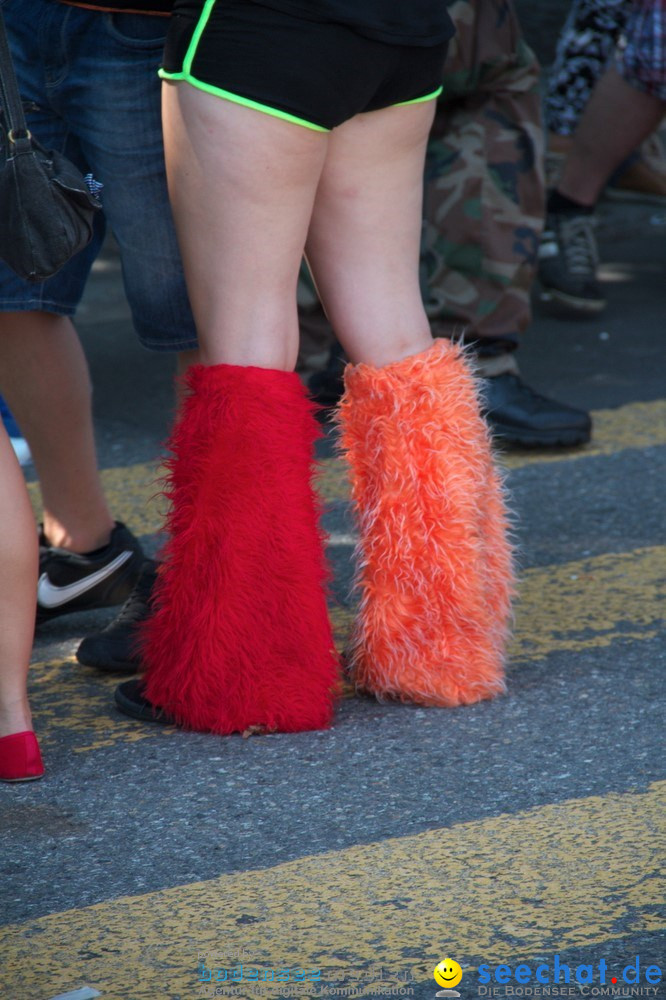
(364,238)
(243,183)
(113,103)
(40,63)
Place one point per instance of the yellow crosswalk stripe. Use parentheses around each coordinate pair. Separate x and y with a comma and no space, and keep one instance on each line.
(637,425)
(133,490)
(579,873)
(586,604)
(582,605)
(133,493)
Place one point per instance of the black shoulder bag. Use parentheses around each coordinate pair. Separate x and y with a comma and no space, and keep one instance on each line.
(47,207)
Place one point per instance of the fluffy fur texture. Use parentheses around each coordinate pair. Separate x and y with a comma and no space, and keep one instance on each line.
(241,636)
(435,568)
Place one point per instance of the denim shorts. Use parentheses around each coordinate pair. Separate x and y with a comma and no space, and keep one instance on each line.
(90,80)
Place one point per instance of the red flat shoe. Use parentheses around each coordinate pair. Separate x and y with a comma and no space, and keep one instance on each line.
(20,759)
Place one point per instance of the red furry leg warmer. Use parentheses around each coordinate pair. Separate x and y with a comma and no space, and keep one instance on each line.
(241,636)
(434,562)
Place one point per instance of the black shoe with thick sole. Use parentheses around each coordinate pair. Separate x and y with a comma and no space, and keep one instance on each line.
(70,582)
(115,647)
(518,415)
(131,700)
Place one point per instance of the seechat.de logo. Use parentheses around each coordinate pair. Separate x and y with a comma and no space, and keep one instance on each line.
(447,974)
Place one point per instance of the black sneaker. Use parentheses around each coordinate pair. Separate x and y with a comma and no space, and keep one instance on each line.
(70,582)
(131,700)
(114,648)
(519,415)
(568,261)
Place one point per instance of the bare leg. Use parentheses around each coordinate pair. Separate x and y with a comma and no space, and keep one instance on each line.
(363,244)
(242,206)
(265,175)
(617,119)
(18,587)
(44,377)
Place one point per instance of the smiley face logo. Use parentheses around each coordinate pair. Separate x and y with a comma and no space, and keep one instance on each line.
(447,973)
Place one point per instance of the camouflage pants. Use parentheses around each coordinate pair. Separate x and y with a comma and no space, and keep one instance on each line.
(484,186)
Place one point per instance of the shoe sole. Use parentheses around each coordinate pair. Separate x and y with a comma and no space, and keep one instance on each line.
(635,197)
(563,305)
(108,663)
(143,714)
(527,439)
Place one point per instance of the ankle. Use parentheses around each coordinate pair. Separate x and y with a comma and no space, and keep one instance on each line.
(560,203)
(15,716)
(83,540)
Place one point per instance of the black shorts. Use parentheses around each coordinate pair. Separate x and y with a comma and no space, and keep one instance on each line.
(316,74)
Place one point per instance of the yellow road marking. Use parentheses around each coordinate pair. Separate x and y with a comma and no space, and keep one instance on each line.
(582,605)
(76,703)
(133,490)
(510,888)
(579,605)
(637,425)
(590,603)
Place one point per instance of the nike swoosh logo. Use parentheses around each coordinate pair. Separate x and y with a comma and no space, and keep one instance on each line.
(51,596)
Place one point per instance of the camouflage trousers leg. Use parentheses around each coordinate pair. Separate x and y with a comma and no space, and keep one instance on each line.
(484,182)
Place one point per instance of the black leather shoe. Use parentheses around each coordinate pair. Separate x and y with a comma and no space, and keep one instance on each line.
(131,700)
(519,415)
(115,647)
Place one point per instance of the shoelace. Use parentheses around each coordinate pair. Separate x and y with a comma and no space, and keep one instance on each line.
(138,602)
(579,245)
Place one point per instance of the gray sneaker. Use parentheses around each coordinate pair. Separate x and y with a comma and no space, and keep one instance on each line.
(568,261)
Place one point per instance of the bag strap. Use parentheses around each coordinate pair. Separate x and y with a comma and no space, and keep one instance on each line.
(17,129)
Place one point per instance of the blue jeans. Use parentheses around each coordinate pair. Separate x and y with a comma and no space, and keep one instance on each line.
(91,82)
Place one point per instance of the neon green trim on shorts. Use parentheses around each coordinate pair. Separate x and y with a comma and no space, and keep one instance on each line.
(420,100)
(196,35)
(245,101)
(186,75)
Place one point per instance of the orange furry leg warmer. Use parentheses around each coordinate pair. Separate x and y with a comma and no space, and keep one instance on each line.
(240,635)
(435,568)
